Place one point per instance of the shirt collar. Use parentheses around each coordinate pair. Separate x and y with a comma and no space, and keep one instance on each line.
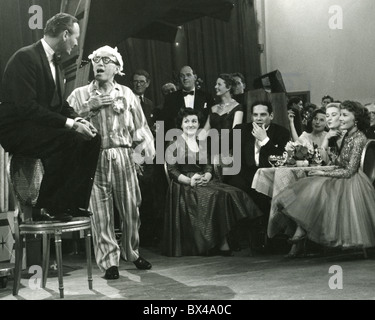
(93,87)
(48,50)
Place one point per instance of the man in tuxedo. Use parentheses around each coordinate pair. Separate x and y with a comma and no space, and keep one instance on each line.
(36,121)
(187,97)
(259,139)
(141,81)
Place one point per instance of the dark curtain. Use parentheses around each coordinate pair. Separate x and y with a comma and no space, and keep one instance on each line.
(208,45)
(14,25)
(216,47)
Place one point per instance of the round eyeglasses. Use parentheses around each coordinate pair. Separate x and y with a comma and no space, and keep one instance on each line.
(105,60)
(140,82)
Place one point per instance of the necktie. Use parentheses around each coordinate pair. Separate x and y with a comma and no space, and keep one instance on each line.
(185,93)
(56,60)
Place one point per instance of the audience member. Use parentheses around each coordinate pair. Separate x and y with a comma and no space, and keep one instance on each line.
(141,81)
(228,112)
(187,97)
(333,139)
(316,136)
(325,101)
(116,113)
(200,211)
(35,121)
(340,210)
(370,133)
(168,88)
(239,92)
(295,106)
(259,139)
(146,173)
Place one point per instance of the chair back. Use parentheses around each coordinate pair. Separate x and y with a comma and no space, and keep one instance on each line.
(25,175)
(368,160)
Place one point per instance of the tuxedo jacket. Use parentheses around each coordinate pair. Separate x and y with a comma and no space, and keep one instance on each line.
(278,135)
(29,93)
(175,101)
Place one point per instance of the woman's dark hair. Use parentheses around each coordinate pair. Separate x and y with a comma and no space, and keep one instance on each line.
(183,113)
(327,97)
(315,112)
(59,23)
(230,83)
(361,114)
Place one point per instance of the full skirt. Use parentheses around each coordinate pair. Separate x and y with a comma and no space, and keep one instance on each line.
(198,218)
(335,212)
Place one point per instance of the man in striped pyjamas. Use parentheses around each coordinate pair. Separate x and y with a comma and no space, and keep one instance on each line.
(116,113)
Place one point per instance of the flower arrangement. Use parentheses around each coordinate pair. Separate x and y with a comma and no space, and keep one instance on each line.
(299,151)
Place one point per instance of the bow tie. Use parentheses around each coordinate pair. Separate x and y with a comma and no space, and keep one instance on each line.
(185,93)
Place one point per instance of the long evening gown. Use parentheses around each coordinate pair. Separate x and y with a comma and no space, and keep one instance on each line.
(337,209)
(198,218)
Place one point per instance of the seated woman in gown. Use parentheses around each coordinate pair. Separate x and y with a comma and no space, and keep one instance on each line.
(333,208)
(200,211)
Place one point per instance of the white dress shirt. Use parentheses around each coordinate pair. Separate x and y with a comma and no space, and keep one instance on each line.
(257,146)
(49,52)
(189,100)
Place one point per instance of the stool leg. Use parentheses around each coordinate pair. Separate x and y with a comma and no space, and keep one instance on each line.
(88,256)
(45,262)
(59,261)
(18,263)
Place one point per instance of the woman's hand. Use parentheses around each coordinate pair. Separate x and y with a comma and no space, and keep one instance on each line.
(206,178)
(315,173)
(196,180)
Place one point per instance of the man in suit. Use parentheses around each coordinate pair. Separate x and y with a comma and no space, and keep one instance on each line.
(259,139)
(187,97)
(146,176)
(141,81)
(35,121)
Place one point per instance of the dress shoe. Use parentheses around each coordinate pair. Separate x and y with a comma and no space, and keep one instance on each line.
(56,215)
(297,239)
(43,216)
(78,212)
(112,273)
(142,264)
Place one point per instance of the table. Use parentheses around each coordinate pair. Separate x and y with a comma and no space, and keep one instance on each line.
(271,181)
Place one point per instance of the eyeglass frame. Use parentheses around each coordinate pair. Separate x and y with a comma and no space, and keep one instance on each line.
(141,82)
(104,59)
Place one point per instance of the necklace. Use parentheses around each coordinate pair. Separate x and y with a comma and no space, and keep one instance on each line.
(226,104)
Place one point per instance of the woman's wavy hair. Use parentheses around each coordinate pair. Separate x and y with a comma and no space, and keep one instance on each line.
(361,114)
(229,81)
(183,113)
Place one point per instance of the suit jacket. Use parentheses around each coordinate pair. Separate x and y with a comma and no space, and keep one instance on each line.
(148,110)
(175,101)
(278,135)
(29,93)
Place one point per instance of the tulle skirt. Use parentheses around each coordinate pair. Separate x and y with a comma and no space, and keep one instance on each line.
(198,218)
(334,212)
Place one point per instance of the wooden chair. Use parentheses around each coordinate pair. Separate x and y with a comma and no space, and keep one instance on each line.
(25,176)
